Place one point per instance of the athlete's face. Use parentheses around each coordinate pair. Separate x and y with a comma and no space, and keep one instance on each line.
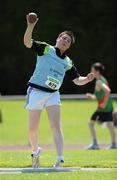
(63,42)
(96,73)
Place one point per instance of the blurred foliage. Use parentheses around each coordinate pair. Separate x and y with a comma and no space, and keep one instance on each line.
(93,23)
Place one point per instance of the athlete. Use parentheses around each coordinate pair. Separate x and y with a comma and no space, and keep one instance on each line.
(43,91)
(105,106)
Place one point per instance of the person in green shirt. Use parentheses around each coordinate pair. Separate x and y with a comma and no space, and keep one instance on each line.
(105,106)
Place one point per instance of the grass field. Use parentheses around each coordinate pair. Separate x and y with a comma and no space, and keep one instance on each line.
(72,158)
(103,175)
(75,115)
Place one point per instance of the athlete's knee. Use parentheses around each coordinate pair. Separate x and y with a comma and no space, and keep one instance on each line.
(56,128)
(110,125)
(32,129)
(91,123)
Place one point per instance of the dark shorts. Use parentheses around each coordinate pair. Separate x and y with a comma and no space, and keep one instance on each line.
(102,116)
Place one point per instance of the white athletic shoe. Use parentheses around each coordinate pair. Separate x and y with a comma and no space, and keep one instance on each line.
(93,147)
(59,163)
(35,158)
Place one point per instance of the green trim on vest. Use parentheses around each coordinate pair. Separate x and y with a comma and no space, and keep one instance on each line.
(70,63)
(46,49)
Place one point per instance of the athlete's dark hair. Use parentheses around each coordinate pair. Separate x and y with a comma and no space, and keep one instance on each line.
(98,67)
(69,33)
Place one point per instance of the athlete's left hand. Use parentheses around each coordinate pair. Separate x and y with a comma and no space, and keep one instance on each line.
(90,77)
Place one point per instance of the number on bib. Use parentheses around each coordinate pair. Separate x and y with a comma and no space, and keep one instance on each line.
(53,83)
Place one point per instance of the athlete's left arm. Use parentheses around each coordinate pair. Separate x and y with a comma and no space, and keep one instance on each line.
(107,90)
(77,79)
(81,80)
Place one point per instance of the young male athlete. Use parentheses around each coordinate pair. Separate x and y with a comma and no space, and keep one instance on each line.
(105,106)
(43,91)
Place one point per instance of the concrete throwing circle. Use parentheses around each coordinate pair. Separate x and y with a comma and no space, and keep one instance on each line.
(37,170)
(49,170)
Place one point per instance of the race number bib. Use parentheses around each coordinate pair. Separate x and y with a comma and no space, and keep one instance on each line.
(53,83)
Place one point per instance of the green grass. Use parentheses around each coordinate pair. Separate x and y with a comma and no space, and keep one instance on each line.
(72,158)
(75,115)
(104,175)
(82,158)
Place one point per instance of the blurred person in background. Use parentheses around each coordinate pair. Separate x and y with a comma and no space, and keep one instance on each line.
(104,112)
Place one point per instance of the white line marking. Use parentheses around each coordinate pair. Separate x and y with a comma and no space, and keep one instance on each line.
(38,170)
(33,170)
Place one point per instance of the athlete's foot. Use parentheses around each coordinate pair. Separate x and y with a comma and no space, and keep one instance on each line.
(113,146)
(35,159)
(59,163)
(93,147)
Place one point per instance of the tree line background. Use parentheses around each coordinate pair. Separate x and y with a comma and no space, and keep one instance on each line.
(93,24)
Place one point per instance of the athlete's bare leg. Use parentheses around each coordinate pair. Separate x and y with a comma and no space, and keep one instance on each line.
(110,126)
(55,124)
(34,118)
(92,129)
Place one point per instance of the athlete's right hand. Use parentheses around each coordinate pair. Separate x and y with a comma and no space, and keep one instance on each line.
(31,24)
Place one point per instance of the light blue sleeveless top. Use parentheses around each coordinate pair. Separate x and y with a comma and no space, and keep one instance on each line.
(50,69)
